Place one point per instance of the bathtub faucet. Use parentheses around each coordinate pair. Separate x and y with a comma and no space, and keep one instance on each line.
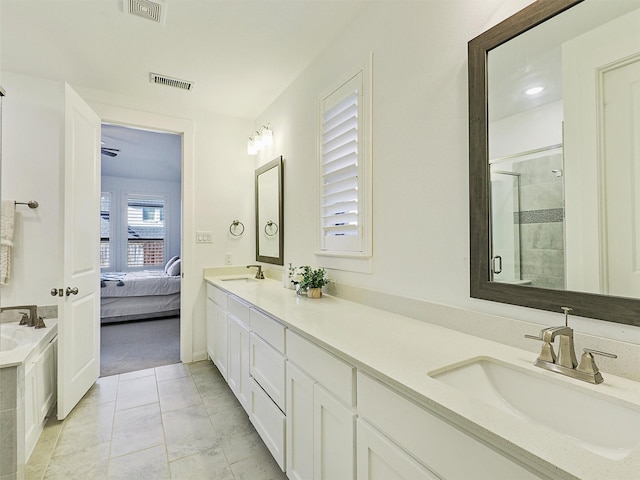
(33,321)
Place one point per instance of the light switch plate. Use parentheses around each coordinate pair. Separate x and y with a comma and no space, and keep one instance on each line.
(204,237)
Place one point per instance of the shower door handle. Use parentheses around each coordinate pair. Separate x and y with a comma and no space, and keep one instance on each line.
(497,260)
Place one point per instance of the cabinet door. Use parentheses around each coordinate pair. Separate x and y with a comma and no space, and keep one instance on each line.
(31,424)
(221,341)
(46,381)
(334,435)
(211,329)
(299,393)
(378,458)
(238,367)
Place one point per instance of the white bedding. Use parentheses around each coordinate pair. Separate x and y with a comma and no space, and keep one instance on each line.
(138,284)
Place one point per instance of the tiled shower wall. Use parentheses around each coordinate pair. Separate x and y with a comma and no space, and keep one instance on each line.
(11,407)
(541,221)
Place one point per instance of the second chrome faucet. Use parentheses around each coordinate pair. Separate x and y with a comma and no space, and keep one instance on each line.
(565,362)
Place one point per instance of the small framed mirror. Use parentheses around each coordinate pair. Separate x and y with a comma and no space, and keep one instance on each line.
(270,213)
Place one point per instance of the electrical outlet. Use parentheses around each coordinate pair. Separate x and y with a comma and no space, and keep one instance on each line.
(227,259)
(204,237)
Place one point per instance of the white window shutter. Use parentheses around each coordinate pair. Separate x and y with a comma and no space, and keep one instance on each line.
(145,231)
(341,138)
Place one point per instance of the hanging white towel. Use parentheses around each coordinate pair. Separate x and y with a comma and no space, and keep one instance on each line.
(7,225)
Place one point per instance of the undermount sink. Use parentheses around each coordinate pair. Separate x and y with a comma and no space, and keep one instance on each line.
(604,425)
(240,279)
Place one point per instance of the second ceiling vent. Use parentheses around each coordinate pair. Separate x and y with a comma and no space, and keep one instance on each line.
(154,10)
(170,82)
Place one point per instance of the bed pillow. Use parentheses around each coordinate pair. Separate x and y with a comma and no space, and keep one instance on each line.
(174,269)
(171,261)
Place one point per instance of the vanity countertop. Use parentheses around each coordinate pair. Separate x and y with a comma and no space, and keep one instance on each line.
(400,351)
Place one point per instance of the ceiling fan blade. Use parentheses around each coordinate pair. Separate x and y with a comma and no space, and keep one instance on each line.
(110,152)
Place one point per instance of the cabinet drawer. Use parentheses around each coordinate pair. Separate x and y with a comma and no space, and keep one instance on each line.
(267,366)
(431,440)
(334,374)
(238,309)
(217,295)
(269,422)
(269,329)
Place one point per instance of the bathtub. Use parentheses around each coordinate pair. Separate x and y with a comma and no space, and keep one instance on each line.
(18,341)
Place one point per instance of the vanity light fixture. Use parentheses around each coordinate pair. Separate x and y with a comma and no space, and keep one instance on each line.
(260,139)
(251,147)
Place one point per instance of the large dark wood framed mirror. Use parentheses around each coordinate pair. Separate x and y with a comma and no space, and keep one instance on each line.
(270,213)
(553,174)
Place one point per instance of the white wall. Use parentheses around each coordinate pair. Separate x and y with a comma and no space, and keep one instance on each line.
(420,152)
(218,187)
(420,164)
(32,145)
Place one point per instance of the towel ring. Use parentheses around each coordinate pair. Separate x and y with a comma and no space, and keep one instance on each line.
(234,227)
(271,225)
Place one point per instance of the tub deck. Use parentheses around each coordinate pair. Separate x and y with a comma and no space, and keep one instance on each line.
(18,341)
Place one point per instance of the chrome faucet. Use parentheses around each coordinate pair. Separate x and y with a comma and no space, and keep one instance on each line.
(259,273)
(565,362)
(31,320)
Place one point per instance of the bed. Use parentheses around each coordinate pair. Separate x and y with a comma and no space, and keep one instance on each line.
(140,295)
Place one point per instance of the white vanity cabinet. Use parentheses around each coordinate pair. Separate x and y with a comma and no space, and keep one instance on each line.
(40,391)
(320,412)
(238,350)
(414,435)
(379,458)
(217,328)
(267,384)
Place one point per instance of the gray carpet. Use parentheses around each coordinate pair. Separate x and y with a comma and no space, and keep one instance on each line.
(130,346)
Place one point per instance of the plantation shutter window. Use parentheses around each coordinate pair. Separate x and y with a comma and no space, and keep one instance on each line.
(341,170)
(105,230)
(145,231)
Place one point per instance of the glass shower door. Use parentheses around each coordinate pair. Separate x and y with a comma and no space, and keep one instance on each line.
(505,226)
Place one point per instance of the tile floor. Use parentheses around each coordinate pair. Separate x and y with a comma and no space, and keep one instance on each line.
(174,422)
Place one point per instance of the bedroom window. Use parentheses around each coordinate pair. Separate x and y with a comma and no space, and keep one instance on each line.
(105,230)
(145,231)
(345,170)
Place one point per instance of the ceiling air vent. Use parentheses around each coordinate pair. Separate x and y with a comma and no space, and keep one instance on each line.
(154,10)
(170,82)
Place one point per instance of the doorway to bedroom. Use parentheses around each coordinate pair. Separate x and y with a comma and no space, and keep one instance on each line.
(140,248)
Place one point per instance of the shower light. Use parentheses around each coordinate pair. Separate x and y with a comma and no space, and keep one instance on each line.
(533,90)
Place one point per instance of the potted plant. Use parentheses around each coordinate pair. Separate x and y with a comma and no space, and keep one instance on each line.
(312,281)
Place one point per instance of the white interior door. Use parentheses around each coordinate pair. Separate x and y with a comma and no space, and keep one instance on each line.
(584,59)
(622,176)
(79,308)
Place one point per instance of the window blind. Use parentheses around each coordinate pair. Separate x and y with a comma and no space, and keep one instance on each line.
(341,229)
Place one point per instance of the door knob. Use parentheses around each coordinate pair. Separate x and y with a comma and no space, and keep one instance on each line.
(71,291)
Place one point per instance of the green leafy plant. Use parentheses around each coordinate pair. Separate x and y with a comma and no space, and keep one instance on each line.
(310,278)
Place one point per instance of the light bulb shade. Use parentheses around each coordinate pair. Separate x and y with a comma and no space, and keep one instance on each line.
(267,137)
(251,147)
(258,141)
